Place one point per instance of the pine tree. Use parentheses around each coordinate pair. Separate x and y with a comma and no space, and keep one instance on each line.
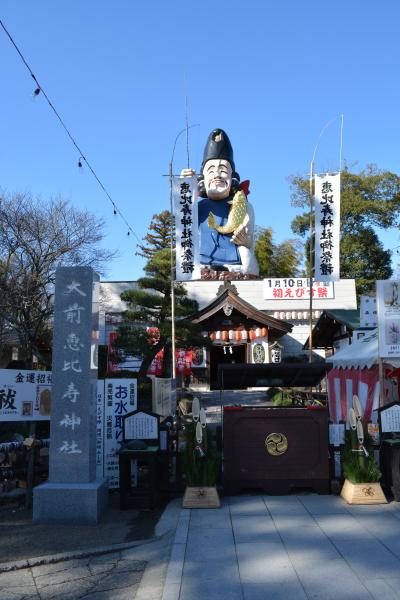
(150,306)
(159,235)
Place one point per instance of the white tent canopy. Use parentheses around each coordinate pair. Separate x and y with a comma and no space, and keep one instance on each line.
(362,353)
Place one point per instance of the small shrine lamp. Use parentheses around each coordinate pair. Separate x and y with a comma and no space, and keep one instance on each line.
(276,352)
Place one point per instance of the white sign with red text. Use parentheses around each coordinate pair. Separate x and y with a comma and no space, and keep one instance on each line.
(296,288)
(25,395)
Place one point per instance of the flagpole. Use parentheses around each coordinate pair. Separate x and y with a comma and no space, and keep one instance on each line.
(310,272)
(311,193)
(171,204)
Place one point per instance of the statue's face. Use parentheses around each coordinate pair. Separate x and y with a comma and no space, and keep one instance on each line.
(217,178)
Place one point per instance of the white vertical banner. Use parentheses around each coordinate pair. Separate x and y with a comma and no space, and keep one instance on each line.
(120,399)
(388,308)
(186,228)
(368,313)
(162,392)
(327,227)
(100,429)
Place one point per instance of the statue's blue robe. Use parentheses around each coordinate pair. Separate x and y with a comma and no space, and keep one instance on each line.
(215,248)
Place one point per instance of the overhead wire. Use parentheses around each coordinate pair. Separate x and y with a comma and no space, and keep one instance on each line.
(82,158)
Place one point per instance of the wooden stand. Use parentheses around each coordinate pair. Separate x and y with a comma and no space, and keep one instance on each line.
(201,497)
(302,463)
(363,493)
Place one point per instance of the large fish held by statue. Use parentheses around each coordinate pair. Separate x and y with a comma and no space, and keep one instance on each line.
(236,217)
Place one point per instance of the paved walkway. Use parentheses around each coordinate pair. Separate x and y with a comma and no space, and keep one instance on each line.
(290,548)
(253,548)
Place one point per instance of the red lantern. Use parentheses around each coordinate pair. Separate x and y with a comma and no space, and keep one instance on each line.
(224,336)
(252,334)
(238,335)
(212,335)
(264,332)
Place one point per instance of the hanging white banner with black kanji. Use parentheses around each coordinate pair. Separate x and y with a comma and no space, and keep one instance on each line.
(327,227)
(186,228)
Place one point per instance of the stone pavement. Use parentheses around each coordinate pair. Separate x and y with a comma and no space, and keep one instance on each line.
(289,547)
(252,548)
(126,571)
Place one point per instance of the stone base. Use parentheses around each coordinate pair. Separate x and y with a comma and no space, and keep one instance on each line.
(209,274)
(70,503)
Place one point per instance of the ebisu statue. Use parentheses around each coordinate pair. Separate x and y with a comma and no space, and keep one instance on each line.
(226,218)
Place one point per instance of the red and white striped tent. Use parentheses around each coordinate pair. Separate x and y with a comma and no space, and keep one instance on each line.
(355,371)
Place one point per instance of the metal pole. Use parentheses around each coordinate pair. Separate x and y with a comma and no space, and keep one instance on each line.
(173,346)
(310,272)
(172,272)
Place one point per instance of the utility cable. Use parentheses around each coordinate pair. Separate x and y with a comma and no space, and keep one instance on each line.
(82,157)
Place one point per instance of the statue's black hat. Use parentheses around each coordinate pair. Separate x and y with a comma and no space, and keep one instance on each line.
(218,146)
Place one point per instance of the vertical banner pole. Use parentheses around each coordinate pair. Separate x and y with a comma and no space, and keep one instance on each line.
(381,383)
(173,372)
(310,344)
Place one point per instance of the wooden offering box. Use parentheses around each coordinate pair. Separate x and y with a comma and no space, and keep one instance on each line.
(275,449)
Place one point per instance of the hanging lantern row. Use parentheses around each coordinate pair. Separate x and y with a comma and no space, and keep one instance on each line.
(238,335)
(294,315)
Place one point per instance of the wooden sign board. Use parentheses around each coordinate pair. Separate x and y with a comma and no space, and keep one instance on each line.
(389,417)
(141,425)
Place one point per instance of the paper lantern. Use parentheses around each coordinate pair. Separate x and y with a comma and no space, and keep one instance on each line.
(238,335)
(252,334)
(212,335)
(218,335)
(244,335)
(264,332)
(258,332)
(224,336)
(231,334)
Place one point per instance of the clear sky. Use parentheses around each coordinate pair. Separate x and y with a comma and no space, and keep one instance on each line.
(270,73)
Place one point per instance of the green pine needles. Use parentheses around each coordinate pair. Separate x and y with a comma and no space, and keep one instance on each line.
(200,471)
(357,467)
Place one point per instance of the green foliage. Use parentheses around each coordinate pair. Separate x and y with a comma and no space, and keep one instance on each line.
(159,235)
(369,199)
(200,473)
(364,259)
(356,471)
(279,398)
(150,306)
(277,260)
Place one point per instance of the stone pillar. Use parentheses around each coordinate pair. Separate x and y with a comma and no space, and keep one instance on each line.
(72,493)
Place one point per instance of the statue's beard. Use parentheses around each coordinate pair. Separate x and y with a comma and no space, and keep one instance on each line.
(218,190)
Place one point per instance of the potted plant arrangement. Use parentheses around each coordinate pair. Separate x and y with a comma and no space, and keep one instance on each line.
(360,468)
(200,461)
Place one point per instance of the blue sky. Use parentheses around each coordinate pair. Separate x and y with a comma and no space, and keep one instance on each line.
(270,73)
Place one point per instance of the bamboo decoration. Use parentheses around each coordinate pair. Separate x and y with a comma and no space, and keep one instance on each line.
(359,466)
(200,462)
